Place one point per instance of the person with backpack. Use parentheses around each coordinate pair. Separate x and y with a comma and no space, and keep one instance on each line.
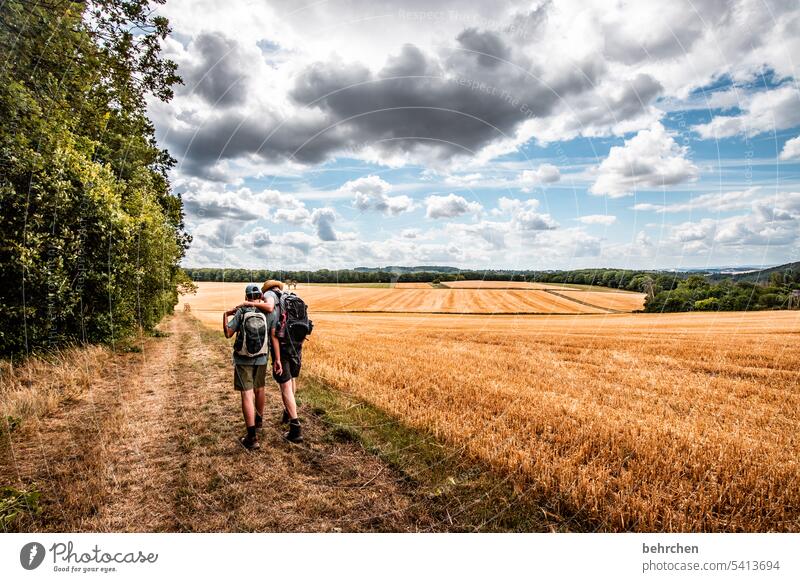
(252,329)
(289,327)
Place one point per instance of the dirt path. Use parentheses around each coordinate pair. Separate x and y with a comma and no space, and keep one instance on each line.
(152,447)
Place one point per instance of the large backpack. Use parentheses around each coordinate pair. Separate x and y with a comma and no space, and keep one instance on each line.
(252,339)
(293,323)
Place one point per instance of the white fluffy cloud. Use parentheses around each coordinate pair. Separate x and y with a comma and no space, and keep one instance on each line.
(450,206)
(715,201)
(773,221)
(605,219)
(649,160)
(765,111)
(372,193)
(791,149)
(544,174)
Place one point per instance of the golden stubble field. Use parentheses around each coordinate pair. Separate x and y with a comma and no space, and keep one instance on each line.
(648,422)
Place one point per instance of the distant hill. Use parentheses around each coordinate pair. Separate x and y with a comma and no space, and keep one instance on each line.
(758,276)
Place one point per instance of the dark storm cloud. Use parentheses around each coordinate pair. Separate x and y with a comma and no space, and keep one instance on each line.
(416,104)
(489,47)
(211,207)
(220,75)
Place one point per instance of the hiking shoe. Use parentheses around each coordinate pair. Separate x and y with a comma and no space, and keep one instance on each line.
(251,444)
(295,433)
(285,418)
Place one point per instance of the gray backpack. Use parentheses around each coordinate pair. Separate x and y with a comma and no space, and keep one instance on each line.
(252,339)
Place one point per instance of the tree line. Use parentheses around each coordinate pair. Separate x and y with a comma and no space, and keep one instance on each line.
(92,235)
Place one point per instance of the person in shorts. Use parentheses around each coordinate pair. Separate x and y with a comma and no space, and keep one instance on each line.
(286,358)
(249,373)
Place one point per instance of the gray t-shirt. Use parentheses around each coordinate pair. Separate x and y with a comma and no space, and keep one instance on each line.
(274,317)
(233,325)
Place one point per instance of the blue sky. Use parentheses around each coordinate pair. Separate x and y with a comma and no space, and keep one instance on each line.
(519,135)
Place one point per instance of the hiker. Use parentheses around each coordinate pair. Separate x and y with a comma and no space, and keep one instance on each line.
(251,327)
(289,326)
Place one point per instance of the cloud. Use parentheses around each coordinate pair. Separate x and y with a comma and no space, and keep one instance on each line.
(371,193)
(715,201)
(506,205)
(257,238)
(765,111)
(203,203)
(450,206)
(771,222)
(529,220)
(544,174)
(651,159)
(493,233)
(604,219)
(298,240)
(410,233)
(323,219)
(220,74)
(791,149)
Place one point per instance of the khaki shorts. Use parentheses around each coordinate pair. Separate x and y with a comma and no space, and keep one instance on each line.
(247,377)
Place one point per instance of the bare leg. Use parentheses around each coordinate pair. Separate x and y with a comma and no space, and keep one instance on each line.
(261,397)
(248,408)
(288,399)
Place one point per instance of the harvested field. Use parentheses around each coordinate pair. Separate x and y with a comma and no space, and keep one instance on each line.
(646,422)
(217,297)
(502,285)
(613,301)
(413,286)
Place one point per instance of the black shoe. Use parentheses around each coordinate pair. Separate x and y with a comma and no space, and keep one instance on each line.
(251,444)
(285,418)
(295,434)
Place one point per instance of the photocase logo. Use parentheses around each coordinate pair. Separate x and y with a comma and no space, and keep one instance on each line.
(31,555)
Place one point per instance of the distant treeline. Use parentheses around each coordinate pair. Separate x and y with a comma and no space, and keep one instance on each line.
(615,278)
(666,290)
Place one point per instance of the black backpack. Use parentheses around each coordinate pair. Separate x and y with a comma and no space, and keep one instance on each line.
(294,325)
(251,337)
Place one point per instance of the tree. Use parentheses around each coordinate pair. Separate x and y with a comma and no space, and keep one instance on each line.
(92,235)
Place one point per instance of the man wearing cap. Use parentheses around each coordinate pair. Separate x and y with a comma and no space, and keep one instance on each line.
(249,372)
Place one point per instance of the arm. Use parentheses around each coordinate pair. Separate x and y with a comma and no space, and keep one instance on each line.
(277,366)
(265,306)
(225,329)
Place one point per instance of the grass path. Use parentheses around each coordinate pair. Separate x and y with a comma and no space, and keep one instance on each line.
(151,446)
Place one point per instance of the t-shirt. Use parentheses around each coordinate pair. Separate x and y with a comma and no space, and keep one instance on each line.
(273,318)
(233,325)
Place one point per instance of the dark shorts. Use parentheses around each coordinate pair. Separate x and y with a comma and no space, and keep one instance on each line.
(247,377)
(291,360)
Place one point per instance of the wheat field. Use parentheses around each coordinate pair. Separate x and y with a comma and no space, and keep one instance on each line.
(645,422)
(417,299)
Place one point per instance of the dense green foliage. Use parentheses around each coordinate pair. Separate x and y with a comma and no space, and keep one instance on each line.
(698,293)
(91,234)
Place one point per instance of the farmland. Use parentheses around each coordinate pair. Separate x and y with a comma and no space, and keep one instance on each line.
(422,298)
(678,422)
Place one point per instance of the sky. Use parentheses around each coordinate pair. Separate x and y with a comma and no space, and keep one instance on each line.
(492,135)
